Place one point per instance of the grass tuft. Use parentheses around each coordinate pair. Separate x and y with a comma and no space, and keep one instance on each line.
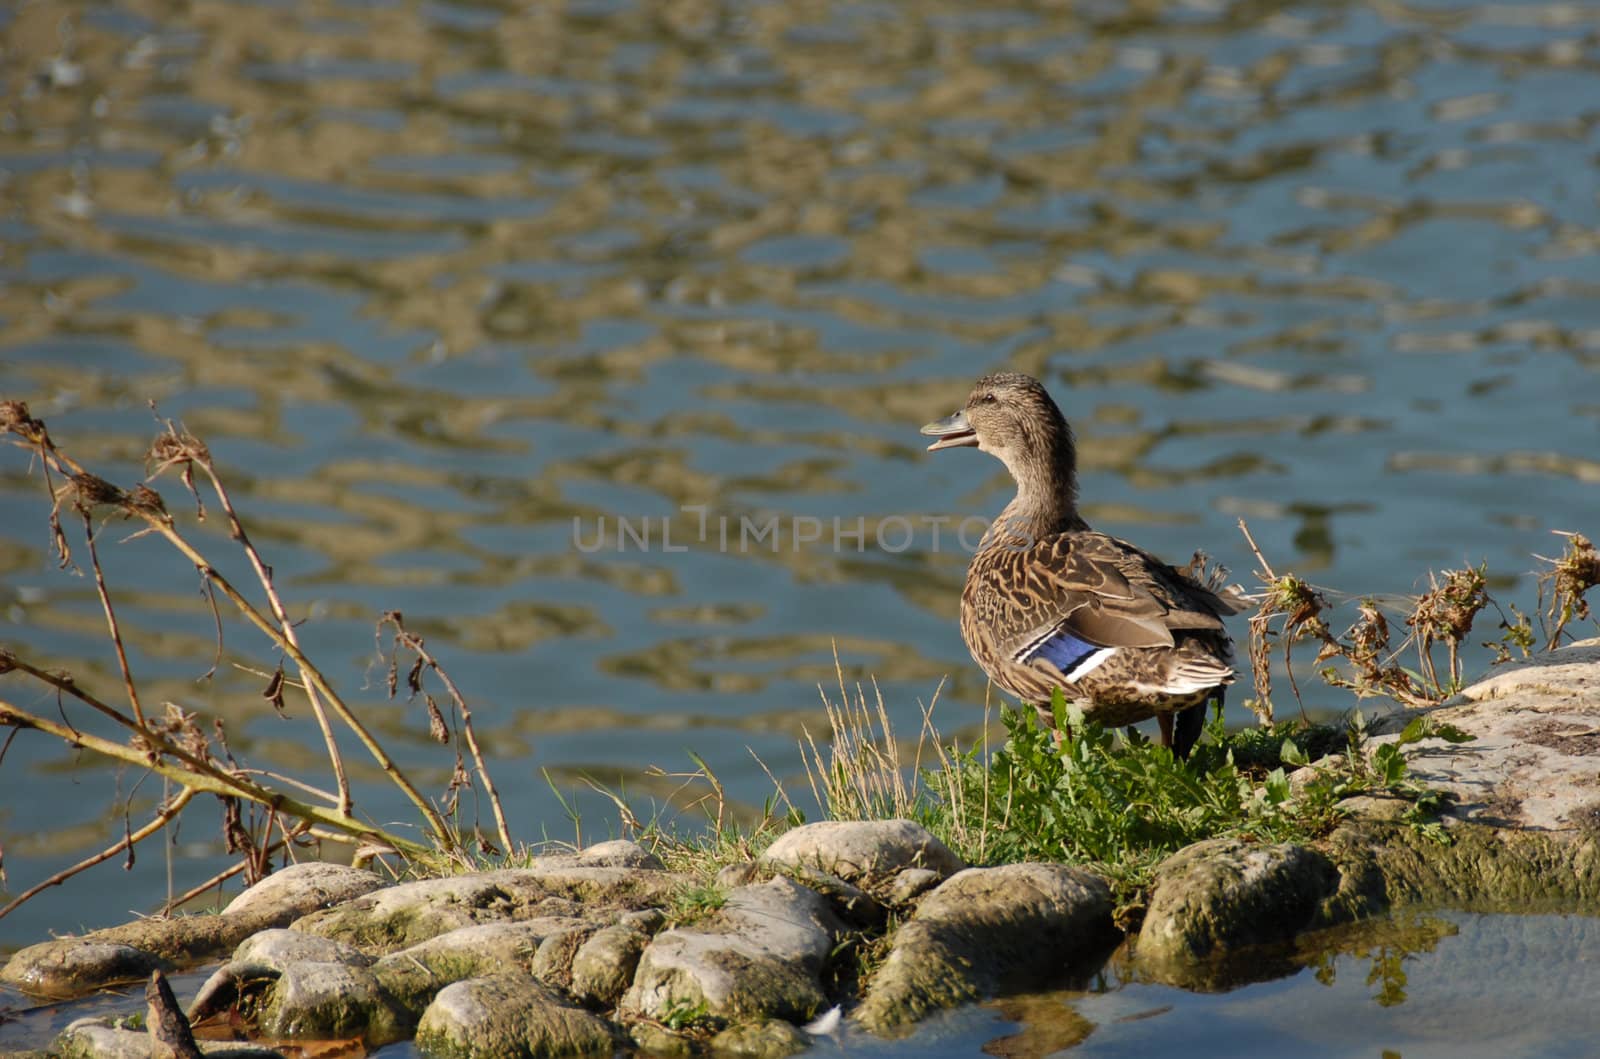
(694,903)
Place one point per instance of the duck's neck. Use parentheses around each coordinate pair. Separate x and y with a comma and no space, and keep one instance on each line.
(1047,490)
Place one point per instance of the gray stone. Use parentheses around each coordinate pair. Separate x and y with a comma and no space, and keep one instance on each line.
(1481,869)
(766,1039)
(67,967)
(289,893)
(601,886)
(514,944)
(279,948)
(984,929)
(658,1041)
(910,884)
(1536,753)
(648,920)
(328,1000)
(399,916)
(1524,820)
(618,853)
(552,964)
(414,976)
(604,965)
(851,903)
(1215,898)
(866,853)
(509,1017)
(413,912)
(743,873)
(759,956)
(299,986)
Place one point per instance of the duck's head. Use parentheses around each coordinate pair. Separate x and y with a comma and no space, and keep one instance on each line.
(1011,417)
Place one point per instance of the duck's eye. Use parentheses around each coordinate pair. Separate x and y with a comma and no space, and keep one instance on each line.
(988,398)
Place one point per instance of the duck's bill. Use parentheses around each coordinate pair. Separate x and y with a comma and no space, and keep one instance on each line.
(952,431)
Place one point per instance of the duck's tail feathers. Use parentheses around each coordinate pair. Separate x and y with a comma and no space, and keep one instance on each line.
(1197,673)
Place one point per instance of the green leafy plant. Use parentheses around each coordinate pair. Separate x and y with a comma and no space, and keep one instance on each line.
(1121,804)
(1114,800)
(1382,770)
(683,1016)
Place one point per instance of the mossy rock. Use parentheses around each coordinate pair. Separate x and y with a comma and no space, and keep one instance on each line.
(510,1017)
(760,955)
(1216,899)
(985,930)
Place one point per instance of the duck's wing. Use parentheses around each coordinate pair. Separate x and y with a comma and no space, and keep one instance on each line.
(1073,600)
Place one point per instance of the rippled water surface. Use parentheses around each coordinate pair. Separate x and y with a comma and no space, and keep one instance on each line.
(448,286)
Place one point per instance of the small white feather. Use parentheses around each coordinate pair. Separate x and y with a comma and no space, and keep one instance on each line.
(825,1024)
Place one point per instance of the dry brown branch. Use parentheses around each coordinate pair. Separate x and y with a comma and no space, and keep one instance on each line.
(111,617)
(403,638)
(175,746)
(1265,573)
(314,678)
(216,880)
(1292,609)
(147,739)
(163,817)
(207,779)
(146,504)
(1445,613)
(173,448)
(288,781)
(1566,583)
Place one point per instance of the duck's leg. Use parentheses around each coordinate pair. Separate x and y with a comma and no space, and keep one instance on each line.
(1192,721)
(1164,721)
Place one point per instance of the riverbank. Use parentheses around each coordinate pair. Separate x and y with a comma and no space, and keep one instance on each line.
(875,921)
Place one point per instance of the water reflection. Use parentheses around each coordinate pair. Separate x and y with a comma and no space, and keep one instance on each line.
(434,279)
(1387,944)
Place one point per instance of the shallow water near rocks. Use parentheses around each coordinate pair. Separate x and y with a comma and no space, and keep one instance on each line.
(446,284)
(1415,985)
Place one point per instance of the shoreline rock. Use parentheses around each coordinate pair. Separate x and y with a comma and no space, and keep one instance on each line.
(984,928)
(1216,897)
(70,966)
(760,956)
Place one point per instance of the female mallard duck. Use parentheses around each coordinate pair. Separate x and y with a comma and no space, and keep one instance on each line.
(1050,603)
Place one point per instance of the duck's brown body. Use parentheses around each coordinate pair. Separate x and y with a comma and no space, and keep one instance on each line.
(1050,603)
(1172,651)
